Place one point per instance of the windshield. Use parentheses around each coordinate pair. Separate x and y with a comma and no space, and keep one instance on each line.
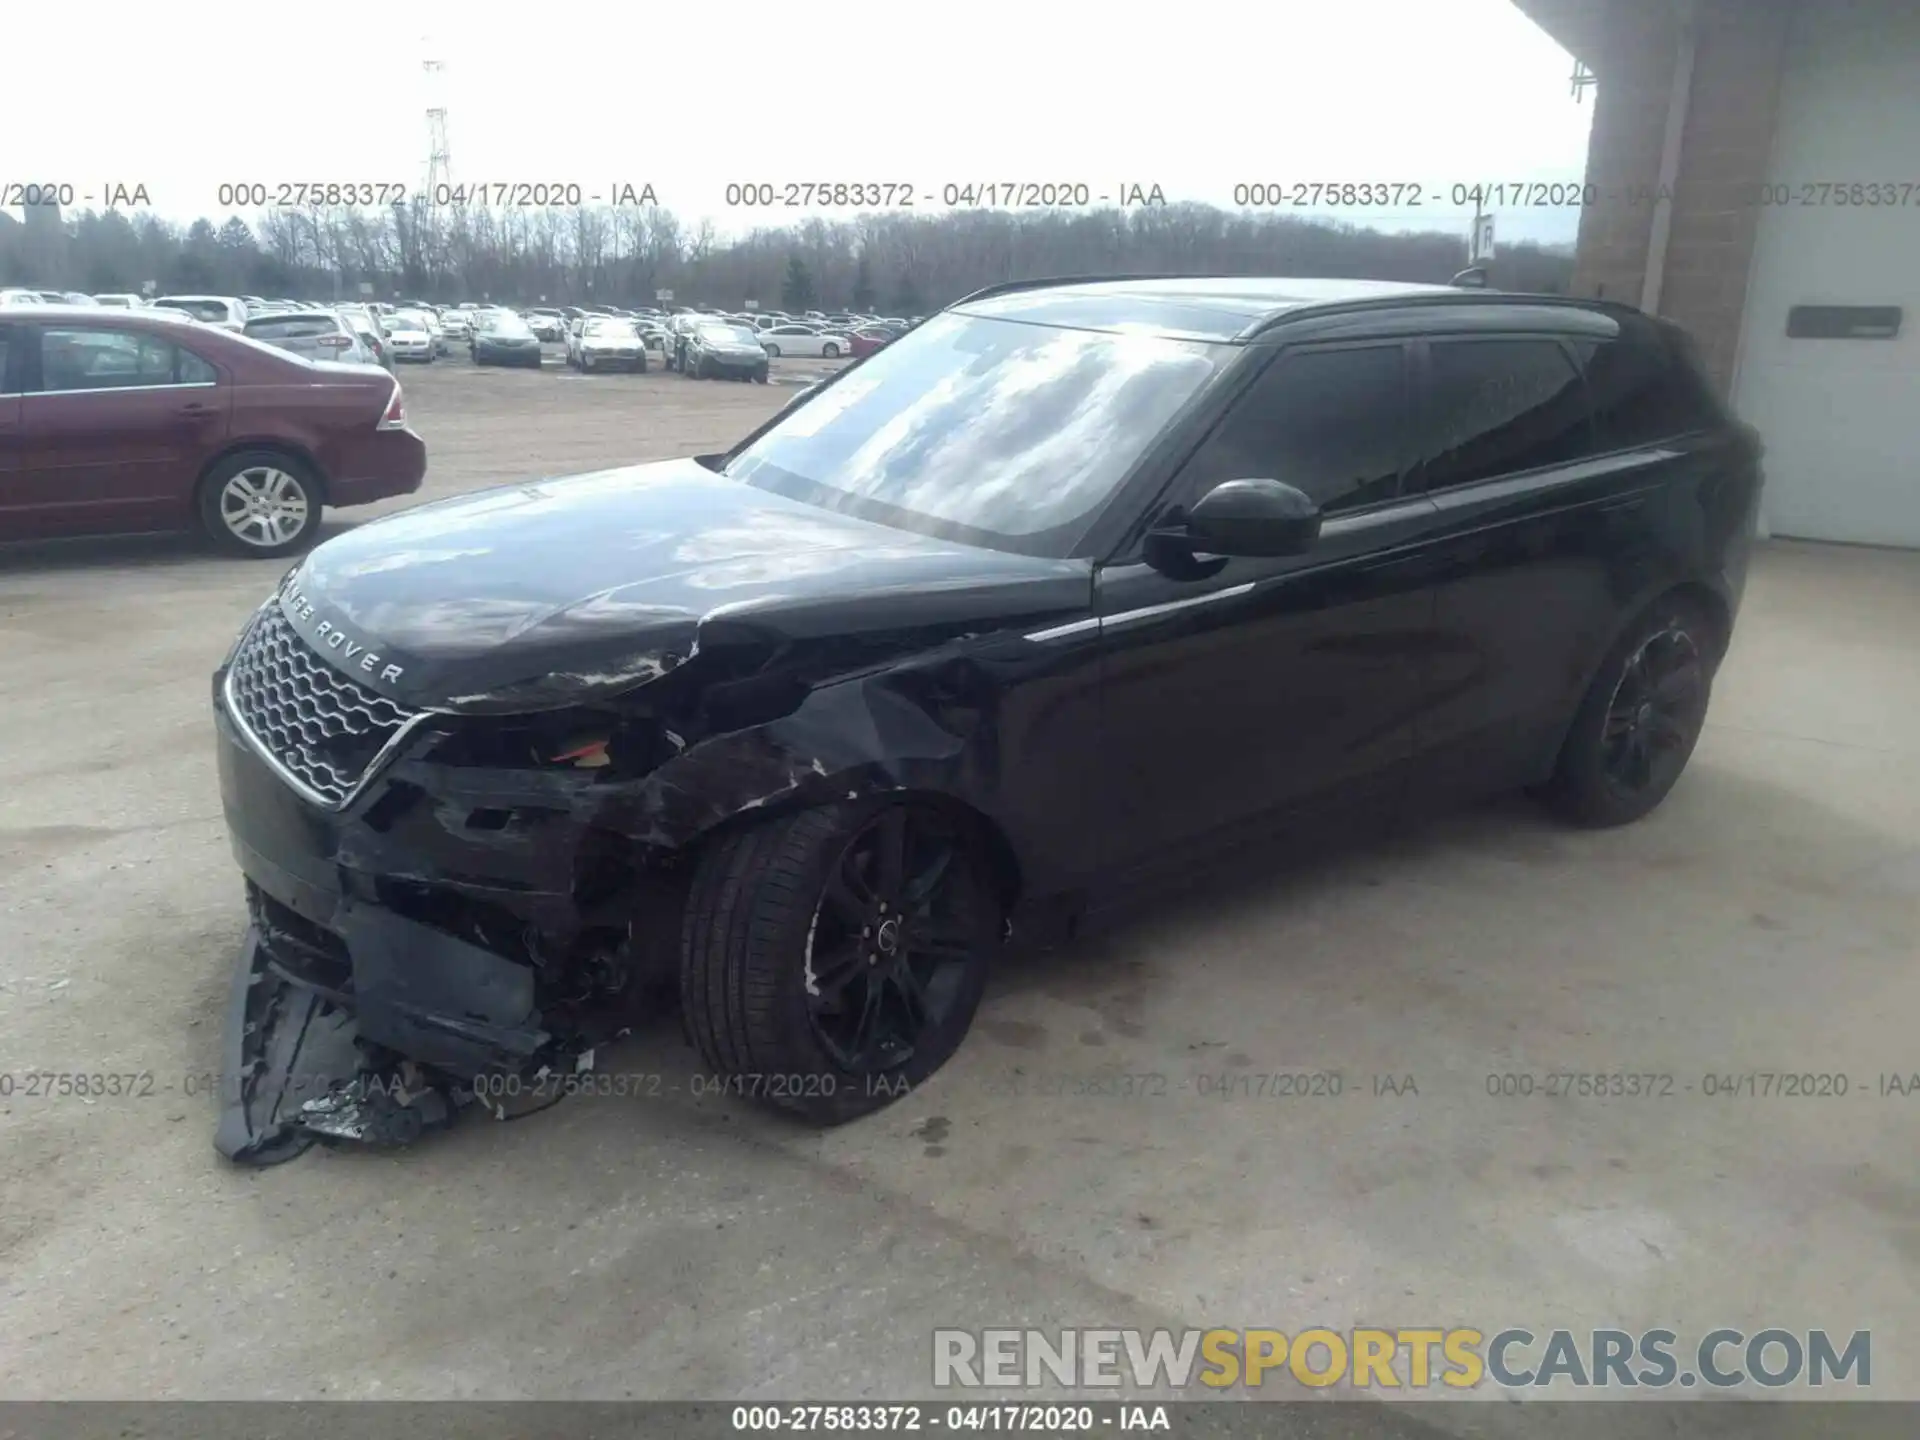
(612,329)
(992,431)
(736,334)
(506,325)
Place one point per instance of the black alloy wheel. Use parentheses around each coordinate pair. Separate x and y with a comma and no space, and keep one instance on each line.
(1656,714)
(1641,718)
(891,942)
(839,954)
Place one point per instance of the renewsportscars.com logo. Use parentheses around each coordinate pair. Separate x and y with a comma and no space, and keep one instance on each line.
(1368,1358)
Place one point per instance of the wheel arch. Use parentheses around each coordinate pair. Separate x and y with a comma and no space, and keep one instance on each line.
(276,445)
(1711,601)
(995,846)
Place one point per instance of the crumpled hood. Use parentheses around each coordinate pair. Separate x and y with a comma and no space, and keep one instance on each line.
(555,591)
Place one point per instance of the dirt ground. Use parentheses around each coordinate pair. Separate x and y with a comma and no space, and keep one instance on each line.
(1765,919)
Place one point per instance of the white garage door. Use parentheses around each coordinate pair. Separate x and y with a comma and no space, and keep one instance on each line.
(1841,417)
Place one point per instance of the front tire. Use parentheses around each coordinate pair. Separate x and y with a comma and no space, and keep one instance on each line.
(1639,721)
(259,503)
(830,350)
(833,959)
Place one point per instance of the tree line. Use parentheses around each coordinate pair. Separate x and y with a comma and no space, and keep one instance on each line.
(897,263)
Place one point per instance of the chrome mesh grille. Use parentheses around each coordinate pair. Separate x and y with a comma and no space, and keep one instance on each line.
(318,725)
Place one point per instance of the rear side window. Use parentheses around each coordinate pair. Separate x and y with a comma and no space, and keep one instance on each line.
(1645,390)
(1495,407)
(194,370)
(1327,422)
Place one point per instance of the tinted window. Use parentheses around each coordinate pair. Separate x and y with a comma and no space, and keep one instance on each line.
(1329,422)
(194,370)
(1644,392)
(6,352)
(286,327)
(1498,406)
(986,430)
(102,360)
(214,310)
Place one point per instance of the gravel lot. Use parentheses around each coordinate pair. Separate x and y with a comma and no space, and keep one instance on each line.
(1765,919)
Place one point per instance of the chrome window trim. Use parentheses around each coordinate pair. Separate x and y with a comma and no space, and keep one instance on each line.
(1145,612)
(119,389)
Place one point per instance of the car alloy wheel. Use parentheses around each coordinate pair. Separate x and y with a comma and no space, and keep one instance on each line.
(773,351)
(843,949)
(1656,712)
(259,503)
(263,506)
(830,350)
(887,954)
(1642,715)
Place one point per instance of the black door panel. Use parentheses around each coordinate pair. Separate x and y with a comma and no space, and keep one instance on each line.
(1288,686)
(1539,544)
(1274,687)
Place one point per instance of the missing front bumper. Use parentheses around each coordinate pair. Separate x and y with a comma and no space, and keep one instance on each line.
(379,1051)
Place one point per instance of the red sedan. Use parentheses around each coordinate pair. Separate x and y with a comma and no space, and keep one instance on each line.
(114,421)
(863,343)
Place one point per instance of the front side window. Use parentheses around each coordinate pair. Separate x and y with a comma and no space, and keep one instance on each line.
(989,431)
(1329,423)
(1498,407)
(76,359)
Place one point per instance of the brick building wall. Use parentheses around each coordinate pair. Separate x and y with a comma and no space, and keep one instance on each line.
(1725,149)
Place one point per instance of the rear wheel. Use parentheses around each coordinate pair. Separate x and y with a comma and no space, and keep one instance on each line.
(1642,716)
(260,503)
(833,959)
(830,350)
(773,351)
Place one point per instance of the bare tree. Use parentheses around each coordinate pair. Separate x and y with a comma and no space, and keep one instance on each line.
(904,261)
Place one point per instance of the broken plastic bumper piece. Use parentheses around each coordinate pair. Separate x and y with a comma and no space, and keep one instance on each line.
(376,1051)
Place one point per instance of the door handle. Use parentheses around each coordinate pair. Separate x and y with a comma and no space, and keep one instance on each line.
(195,409)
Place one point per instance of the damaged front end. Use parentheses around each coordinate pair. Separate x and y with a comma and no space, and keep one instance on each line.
(469,757)
(502,893)
(460,915)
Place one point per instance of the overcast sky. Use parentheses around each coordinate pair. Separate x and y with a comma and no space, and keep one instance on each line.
(1195,97)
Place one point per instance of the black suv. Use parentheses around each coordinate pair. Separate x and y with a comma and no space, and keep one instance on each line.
(1073,583)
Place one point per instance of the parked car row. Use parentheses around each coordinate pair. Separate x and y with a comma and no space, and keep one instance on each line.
(696,342)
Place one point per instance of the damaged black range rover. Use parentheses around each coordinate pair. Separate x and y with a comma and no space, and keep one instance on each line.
(1069,584)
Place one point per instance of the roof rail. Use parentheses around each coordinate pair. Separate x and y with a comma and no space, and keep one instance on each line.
(1010,287)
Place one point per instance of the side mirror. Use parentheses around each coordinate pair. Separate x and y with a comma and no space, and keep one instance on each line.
(1252,518)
